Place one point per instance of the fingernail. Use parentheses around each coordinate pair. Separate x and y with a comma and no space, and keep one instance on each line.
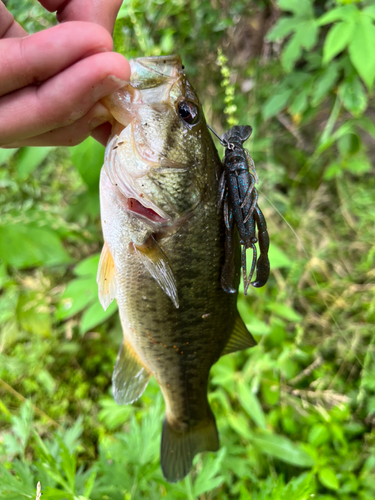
(100,115)
(110,84)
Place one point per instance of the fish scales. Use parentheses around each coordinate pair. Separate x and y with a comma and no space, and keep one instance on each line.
(163,255)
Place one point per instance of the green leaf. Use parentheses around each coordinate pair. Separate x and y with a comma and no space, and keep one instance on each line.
(334,169)
(292,52)
(282,28)
(344,13)
(208,478)
(278,258)
(353,96)
(362,50)
(276,103)
(78,294)
(324,83)
(26,245)
(282,448)
(95,315)
(30,158)
(251,405)
(5,154)
(318,434)
(88,158)
(285,312)
(328,478)
(337,39)
(369,11)
(308,32)
(301,8)
(349,144)
(299,103)
(88,267)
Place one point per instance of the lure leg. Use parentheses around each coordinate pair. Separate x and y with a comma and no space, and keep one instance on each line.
(247,281)
(263,264)
(221,191)
(253,205)
(228,213)
(248,192)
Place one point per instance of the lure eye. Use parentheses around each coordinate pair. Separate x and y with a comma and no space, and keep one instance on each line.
(188,112)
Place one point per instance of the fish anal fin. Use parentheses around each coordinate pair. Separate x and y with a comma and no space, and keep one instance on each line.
(178,448)
(130,377)
(106,278)
(157,264)
(240,338)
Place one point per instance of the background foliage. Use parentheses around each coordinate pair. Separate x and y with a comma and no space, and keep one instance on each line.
(296,414)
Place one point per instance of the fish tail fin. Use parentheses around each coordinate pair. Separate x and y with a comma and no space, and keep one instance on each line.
(178,448)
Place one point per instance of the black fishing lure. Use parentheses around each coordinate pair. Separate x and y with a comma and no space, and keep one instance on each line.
(237,189)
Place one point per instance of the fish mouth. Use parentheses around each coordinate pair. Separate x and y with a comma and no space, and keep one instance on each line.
(136,207)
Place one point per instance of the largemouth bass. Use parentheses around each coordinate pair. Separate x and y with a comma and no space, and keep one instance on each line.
(164,254)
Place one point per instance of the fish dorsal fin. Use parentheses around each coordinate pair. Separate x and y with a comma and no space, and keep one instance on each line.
(106,278)
(130,377)
(240,338)
(156,262)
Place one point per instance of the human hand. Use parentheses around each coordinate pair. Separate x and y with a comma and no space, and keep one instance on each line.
(51,81)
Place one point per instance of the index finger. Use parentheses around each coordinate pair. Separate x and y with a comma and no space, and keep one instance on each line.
(101,12)
(35,58)
(8,26)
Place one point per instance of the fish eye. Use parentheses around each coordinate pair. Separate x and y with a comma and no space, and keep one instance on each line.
(189,112)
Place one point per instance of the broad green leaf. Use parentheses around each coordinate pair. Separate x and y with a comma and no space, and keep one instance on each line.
(282,448)
(328,478)
(369,11)
(95,315)
(30,158)
(301,8)
(318,434)
(324,84)
(240,425)
(344,13)
(362,50)
(285,312)
(277,258)
(337,39)
(88,267)
(349,144)
(78,294)
(353,96)
(358,164)
(251,405)
(299,103)
(333,169)
(308,34)
(282,28)
(276,103)
(88,158)
(24,245)
(292,51)
(254,325)
(5,154)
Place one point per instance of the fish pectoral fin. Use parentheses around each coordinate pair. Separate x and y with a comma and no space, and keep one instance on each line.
(157,264)
(178,448)
(106,278)
(240,338)
(130,377)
